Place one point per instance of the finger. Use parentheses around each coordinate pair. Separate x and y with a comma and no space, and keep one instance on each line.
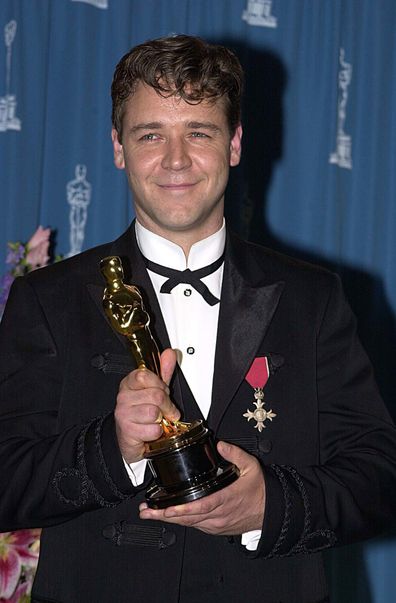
(145,404)
(142,378)
(153,514)
(160,515)
(137,435)
(139,423)
(202,506)
(198,508)
(140,414)
(154,396)
(168,363)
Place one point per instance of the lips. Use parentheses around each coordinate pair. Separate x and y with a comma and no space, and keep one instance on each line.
(177,186)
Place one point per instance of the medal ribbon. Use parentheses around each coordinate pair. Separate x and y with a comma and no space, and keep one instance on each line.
(258,373)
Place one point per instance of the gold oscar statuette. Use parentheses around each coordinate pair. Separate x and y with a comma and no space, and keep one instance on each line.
(184,461)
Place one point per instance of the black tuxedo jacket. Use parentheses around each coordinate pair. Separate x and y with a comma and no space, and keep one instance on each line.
(329,455)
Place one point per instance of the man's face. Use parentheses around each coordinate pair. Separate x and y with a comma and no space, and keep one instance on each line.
(177,159)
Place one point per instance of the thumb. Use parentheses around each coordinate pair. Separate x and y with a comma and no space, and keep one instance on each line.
(168,363)
(234,454)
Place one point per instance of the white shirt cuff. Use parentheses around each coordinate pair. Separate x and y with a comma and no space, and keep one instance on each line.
(136,471)
(251,539)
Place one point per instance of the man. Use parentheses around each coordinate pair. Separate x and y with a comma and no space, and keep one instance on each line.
(266,351)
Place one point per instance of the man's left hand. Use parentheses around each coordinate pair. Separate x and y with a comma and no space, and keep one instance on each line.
(236,509)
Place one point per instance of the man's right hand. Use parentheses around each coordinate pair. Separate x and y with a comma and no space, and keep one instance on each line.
(142,401)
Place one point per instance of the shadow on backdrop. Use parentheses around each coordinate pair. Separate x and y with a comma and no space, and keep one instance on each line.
(263,121)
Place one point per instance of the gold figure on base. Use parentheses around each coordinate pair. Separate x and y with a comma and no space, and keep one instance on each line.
(123,305)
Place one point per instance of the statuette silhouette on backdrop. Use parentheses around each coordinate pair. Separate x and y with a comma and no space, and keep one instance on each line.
(343,153)
(259,13)
(97,3)
(78,193)
(8,118)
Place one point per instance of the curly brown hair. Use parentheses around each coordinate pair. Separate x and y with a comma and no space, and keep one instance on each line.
(184,66)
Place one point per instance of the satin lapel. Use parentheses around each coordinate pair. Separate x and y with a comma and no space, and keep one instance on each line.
(135,272)
(246,312)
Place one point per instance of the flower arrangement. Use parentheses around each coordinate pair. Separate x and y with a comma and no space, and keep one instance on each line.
(19,553)
(19,550)
(22,258)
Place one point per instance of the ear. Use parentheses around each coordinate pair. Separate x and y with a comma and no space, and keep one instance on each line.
(236,146)
(118,151)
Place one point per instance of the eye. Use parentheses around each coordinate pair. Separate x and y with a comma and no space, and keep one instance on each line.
(199,135)
(149,137)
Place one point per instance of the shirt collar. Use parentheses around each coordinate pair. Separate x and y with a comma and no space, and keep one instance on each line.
(162,251)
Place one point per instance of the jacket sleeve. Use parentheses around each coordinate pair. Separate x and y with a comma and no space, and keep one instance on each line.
(350,493)
(47,475)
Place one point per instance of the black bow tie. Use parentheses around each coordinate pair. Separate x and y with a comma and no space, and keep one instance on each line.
(189,277)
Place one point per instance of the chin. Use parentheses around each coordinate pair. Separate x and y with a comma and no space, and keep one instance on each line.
(179,223)
(178,227)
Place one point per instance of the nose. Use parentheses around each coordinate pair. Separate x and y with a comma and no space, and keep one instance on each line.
(176,156)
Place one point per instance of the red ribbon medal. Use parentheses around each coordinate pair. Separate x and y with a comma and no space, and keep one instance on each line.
(257,377)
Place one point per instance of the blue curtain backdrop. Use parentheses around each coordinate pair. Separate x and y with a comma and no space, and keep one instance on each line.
(318,178)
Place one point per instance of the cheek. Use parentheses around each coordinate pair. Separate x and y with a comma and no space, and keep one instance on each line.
(139,164)
(138,176)
(222,170)
(213,164)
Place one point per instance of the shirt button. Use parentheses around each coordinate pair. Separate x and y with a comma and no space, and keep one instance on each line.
(190,350)
(187,292)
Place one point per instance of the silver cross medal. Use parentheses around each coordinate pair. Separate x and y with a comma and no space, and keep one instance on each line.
(260,414)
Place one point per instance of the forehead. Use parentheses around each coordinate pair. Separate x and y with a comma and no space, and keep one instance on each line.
(147,104)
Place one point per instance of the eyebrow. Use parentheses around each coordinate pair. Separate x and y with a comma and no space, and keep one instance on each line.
(157,125)
(152,125)
(206,125)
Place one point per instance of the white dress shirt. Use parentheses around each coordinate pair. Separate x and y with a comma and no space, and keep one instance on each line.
(190,321)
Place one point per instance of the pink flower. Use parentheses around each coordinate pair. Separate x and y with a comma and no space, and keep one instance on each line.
(37,247)
(15,552)
(20,595)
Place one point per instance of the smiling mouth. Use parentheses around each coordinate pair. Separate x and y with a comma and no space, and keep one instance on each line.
(177,186)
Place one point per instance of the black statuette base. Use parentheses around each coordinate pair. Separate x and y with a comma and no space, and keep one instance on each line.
(186,467)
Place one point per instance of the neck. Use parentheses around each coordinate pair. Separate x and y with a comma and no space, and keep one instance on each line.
(184,239)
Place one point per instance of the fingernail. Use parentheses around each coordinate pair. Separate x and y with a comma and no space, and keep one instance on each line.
(225,447)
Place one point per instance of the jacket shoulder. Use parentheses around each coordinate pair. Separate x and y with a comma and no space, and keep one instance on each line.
(257,259)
